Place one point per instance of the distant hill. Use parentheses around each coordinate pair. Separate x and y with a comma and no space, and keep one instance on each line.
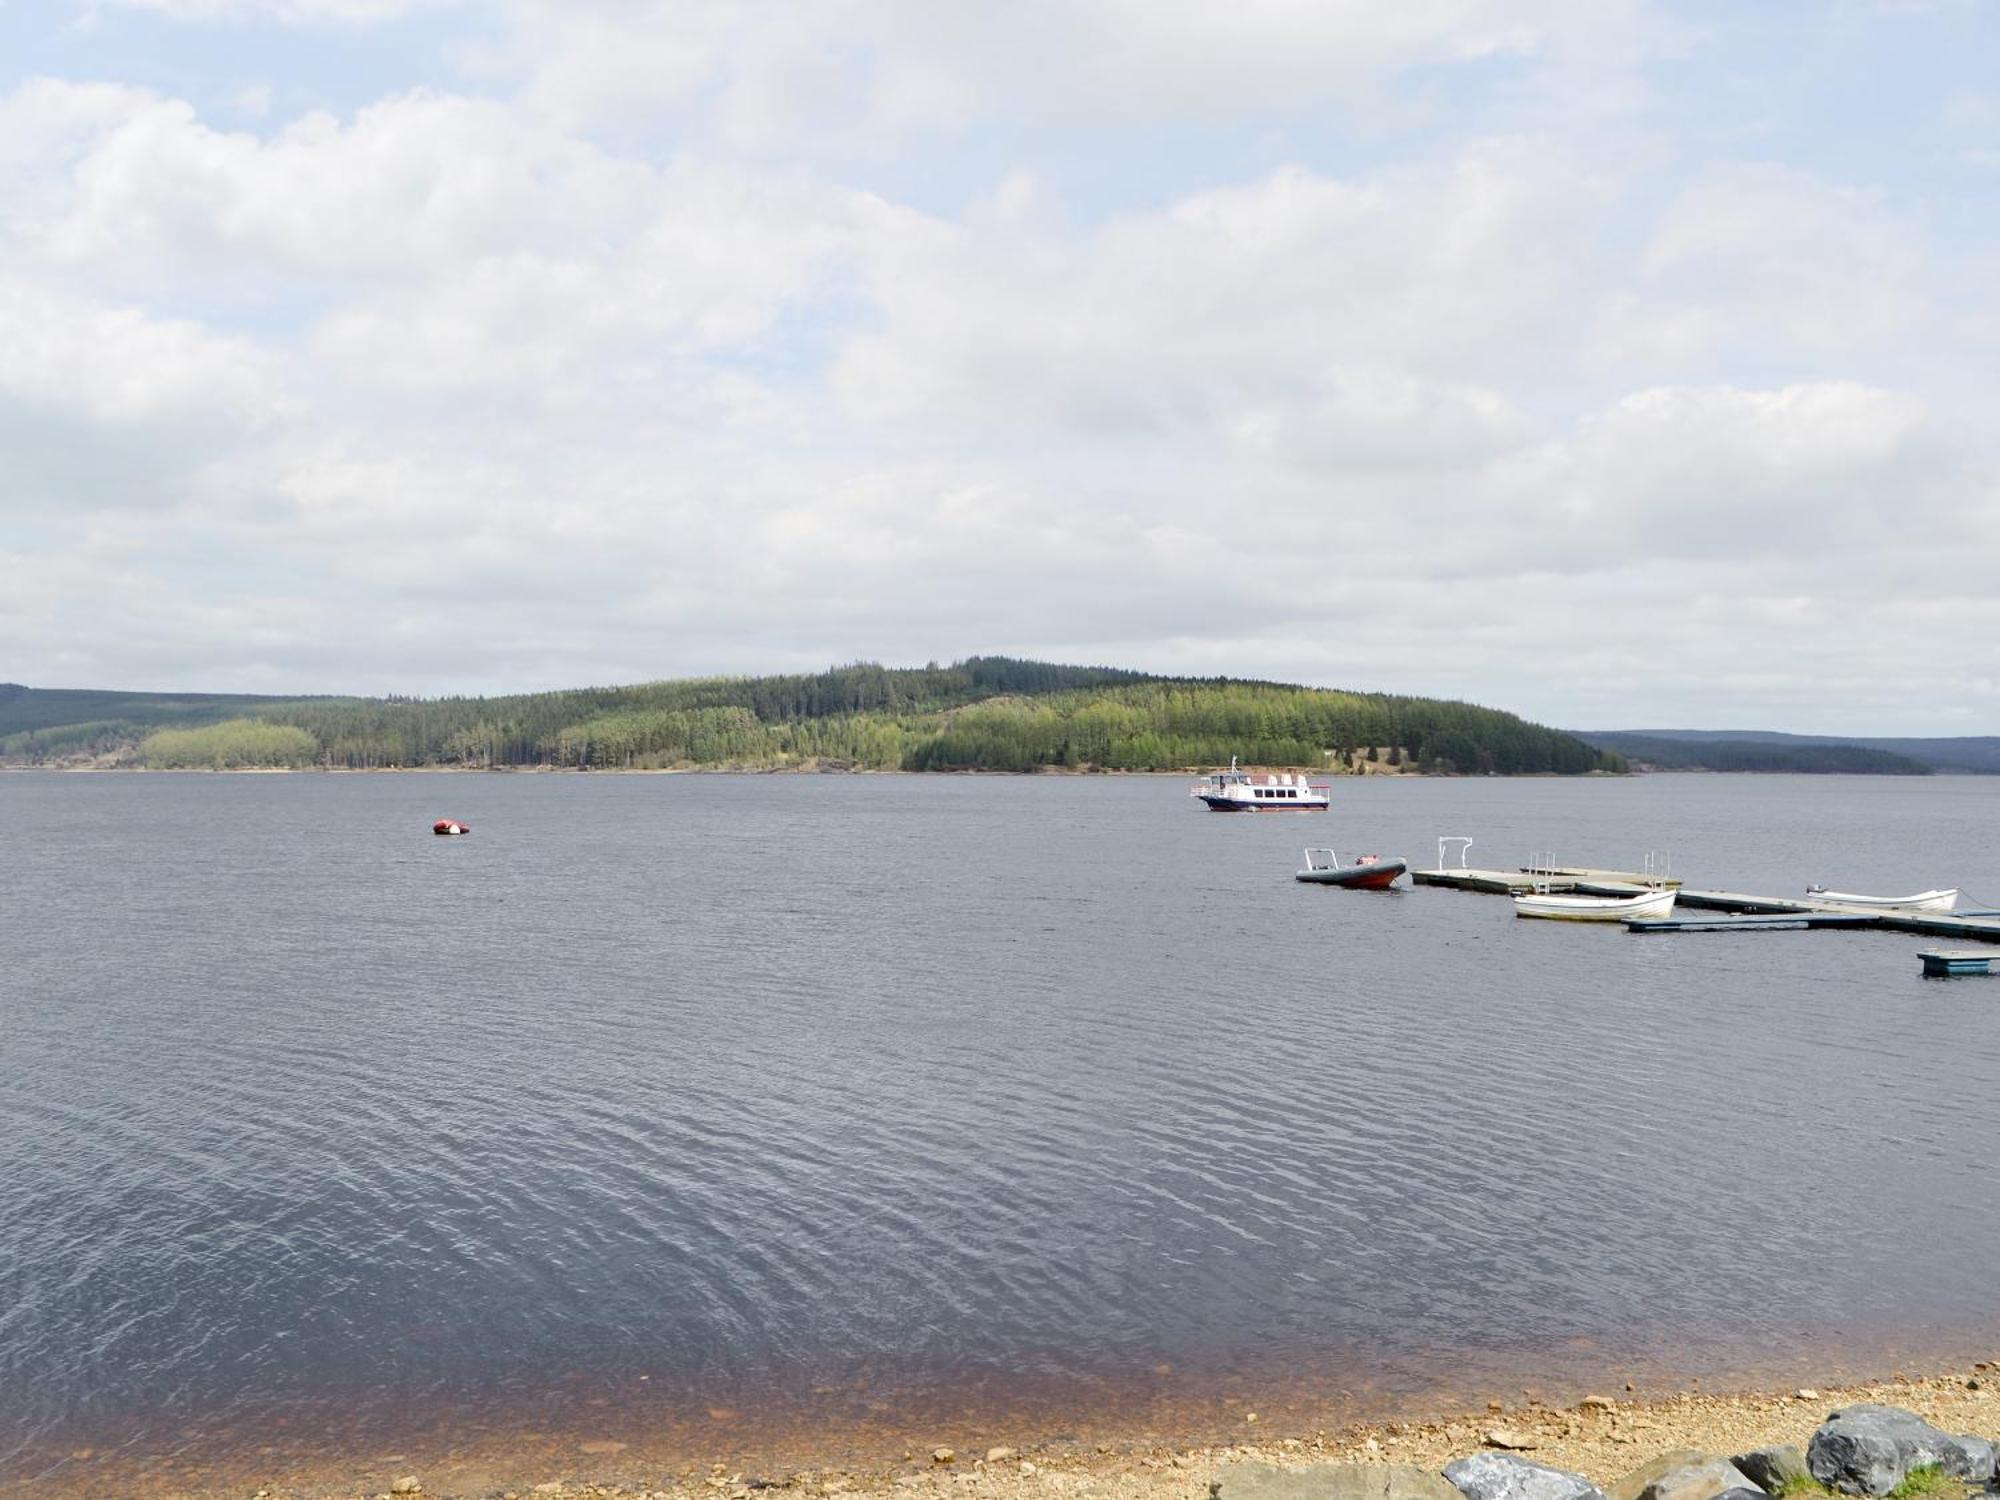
(25,708)
(982,714)
(1669,752)
(1966,753)
(40,726)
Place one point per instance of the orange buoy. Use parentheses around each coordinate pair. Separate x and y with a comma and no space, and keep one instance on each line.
(450,825)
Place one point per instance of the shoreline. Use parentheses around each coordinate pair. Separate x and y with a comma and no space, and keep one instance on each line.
(1602,1434)
(739,771)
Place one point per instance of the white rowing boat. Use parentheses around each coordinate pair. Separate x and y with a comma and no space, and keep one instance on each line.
(1594,908)
(1922,901)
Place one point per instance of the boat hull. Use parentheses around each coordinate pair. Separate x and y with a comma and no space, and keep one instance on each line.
(1231,804)
(1923,901)
(1375,877)
(1594,908)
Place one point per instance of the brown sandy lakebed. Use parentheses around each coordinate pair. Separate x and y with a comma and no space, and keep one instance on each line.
(1602,1436)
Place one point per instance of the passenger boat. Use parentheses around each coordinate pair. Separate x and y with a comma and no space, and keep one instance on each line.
(1238,791)
(1369,872)
(445,826)
(1594,908)
(1922,901)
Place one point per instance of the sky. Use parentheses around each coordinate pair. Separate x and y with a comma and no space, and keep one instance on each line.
(1622,363)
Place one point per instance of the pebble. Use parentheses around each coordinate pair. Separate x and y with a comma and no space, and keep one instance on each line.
(943,1456)
(1805,1393)
(407,1485)
(1597,1403)
(1507,1437)
(1000,1455)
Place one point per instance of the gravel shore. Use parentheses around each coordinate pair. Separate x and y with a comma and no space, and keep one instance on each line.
(1603,1436)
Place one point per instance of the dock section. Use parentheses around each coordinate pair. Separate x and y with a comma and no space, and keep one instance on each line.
(1790,922)
(1563,879)
(1943,963)
(1765,913)
(1737,911)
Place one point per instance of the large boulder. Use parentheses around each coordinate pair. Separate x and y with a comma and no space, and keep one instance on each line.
(1630,1487)
(1773,1469)
(1869,1450)
(1502,1476)
(1708,1480)
(1255,1481)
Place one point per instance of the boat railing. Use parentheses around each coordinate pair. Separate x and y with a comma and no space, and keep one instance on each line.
(1322,859)
(1464,848)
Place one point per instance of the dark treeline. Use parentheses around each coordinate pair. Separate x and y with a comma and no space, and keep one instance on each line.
(1758,755)
(986,713)
(24,709)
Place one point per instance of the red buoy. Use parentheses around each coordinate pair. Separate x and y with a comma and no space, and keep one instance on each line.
(450,825)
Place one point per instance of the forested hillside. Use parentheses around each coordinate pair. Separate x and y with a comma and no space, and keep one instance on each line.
(1804,756)
(1961,754)
(986,713)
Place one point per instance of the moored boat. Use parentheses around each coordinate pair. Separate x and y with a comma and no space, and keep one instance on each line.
(1922,901)
(1238,791)
(1594,908)
(1368,872)
(445,826)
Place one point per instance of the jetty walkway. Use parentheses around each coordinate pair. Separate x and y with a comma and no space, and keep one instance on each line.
(1739,912)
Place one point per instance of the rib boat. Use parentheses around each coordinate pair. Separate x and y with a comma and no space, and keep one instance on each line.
(1922,901)
(1594,908)
(1369,872)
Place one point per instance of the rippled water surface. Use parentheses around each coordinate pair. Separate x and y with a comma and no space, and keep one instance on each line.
(763,1087)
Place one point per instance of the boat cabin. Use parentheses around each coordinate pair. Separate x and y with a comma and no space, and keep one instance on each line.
(1280,791)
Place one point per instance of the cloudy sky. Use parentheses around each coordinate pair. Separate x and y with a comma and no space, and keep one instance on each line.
(1620,362)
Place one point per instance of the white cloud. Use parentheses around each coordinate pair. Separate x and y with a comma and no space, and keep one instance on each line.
(1970,121)
(106,408)
(772,75)
(1296,309)
(115,365)
(1762,251)
(601,359)
(411,185)
(345,12)
(1720,472)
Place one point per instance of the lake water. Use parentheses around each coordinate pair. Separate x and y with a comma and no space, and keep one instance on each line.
(718,1098)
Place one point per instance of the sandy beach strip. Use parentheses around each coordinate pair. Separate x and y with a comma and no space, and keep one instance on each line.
(1603,1436)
